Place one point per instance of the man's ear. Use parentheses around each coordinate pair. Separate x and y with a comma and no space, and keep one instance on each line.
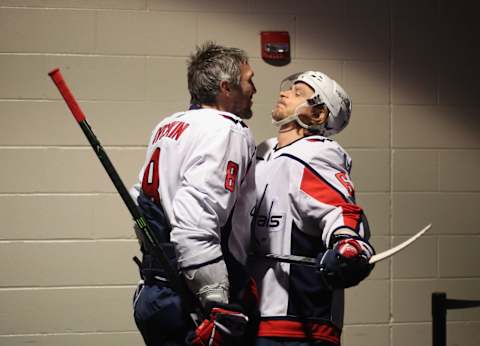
(320,116)
(225,87)
(323,116)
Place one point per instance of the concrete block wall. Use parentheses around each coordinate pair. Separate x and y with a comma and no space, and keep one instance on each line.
(411,68)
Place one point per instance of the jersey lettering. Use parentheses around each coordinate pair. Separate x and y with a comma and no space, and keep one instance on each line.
(272,222)
(151,179)
(231,178)
(345,181)
(171,130)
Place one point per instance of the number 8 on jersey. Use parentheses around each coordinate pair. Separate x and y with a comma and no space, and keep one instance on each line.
(231,177)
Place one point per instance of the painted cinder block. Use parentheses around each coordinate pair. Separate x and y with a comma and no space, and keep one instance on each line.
(49,170)
(369,302)
(106,78)
(412,334)
(47,31)
(94,4)
(463,333)
(411,211)
(25,77)
(419,260)
(371,170)
(355,32)
(74,339)
(414,33)
(462,288)
(376,207)
(89,77)
(329,43)
(369,127)
(166,80)
(366,335)
(459,256)
(411,300)
(369,23)
(145,33)
(26,123)
(65,216)
(196,6)
(302,7)
(457,169)
(415,170)
(50,123)
(59,263)
(66,310)
(432,127)
(368,82)
(414,83)
(136,120)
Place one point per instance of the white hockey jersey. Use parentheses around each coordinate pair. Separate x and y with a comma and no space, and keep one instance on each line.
(304,194)
(200,164)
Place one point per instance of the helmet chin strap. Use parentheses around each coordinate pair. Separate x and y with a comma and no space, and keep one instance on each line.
(292,117)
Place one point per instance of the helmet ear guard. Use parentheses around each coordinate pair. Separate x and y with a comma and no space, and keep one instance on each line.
(326,92)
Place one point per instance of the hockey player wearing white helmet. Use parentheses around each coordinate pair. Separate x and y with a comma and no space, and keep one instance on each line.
(318,103)
(306,207)
(196,188)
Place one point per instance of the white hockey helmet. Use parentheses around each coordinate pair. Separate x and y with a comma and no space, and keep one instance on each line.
(326,92)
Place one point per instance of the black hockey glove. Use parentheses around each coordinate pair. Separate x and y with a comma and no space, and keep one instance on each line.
(346,264)
(226,321)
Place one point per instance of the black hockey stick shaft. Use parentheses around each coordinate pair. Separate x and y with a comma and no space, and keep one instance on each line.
(137,216)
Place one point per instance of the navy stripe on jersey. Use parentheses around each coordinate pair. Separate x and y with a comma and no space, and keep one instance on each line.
(308,139)
(289,144)
(308,295)
(310,168)
(237,273)
(234,120)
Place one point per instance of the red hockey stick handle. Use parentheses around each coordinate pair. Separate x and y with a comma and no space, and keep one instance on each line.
(57,78)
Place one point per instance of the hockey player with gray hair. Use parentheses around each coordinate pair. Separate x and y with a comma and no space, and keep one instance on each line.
(306,207)
(197,188)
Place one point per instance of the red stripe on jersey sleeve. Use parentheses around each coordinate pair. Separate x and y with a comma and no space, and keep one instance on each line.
(323,192)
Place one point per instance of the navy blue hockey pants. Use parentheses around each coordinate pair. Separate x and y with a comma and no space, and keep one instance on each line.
(159,317)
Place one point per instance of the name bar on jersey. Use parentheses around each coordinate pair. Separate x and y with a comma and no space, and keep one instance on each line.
(171,130)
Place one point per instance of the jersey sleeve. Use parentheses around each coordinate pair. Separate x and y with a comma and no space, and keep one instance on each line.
(209,189)
(324,198)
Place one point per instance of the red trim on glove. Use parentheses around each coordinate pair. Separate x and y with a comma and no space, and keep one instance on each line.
(349,248)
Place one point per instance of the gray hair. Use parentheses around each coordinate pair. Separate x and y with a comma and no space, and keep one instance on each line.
(208,66)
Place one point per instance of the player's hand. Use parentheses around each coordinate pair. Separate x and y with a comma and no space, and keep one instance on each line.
(346,264)
(225,321)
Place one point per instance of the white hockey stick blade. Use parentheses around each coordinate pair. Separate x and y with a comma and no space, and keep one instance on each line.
(390,252)
(309,261)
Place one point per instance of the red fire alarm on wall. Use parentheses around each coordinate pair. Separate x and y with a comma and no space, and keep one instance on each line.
(275,47)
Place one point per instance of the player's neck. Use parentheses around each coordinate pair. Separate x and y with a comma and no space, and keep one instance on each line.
(213,106)
(289,133)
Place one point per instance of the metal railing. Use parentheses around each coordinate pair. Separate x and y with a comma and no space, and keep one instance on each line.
(440,305)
